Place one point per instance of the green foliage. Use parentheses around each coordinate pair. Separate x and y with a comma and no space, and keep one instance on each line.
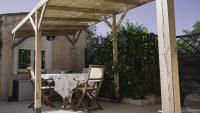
(195,29)
(93,40)
(135,52)
(138,58)
(191,42)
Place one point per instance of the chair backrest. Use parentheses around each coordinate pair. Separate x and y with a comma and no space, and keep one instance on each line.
(96,73)
(31,73)
(85,70)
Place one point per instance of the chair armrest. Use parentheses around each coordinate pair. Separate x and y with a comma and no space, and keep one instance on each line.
(79,82)
(80,79)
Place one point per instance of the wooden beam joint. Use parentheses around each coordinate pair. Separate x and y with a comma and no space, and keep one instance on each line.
(74,39)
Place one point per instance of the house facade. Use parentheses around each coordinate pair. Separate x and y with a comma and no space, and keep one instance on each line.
(57,53)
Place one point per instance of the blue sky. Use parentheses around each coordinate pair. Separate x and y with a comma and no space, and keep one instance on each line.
(186,12)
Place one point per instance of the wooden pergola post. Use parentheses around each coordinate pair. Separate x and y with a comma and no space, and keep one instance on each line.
(115,54)
(38,46)
(114,27)
(170,88)
(36,24)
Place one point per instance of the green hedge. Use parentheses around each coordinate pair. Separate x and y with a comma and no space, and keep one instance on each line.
(136,51)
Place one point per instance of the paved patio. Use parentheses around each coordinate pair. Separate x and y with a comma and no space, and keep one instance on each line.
(21,107)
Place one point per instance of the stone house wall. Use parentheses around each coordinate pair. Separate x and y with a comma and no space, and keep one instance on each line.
(58,53)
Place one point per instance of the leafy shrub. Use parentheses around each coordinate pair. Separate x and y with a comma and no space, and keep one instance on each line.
(135,51)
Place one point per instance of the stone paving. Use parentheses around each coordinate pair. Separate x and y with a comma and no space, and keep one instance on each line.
(21,107)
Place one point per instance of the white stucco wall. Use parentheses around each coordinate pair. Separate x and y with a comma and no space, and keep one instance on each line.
(30,45)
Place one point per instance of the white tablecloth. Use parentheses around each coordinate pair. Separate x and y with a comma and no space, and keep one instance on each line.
(65,83)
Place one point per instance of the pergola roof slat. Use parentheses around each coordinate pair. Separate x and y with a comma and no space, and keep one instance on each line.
(67,23)
(39,5)
(77,14)
(56,27)
(71,19)
(78,9)
(133,2)
(73,14)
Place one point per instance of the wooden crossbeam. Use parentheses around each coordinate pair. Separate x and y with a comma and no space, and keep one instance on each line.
(33,23)
(40,4)
(71,19)
(118,23)
(108,24)
(132,2)
(77,36)
(74,39)
(70,40)
(64,27)
(31,33)
(20,41)
(122,18)
(78,9)
(56,27)
(43,10)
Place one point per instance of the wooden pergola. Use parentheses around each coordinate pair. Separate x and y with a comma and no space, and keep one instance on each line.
(58,17)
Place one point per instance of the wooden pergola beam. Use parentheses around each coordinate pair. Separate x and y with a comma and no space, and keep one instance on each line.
(74,39)
(57,27)
(134,2)
(63,23)
(169,72)
(30,33)
(122,18)
(78,9)
(108,24)
(39,5)
(70,40)
(71,19)
(43,10)
(20,41)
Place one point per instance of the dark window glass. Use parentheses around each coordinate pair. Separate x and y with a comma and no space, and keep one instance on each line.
(24,59)
(43,59)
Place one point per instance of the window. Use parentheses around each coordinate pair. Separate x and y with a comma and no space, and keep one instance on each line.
(24,60)
(43,59)
(27,59)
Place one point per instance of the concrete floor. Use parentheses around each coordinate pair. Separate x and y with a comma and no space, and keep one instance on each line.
(21,107)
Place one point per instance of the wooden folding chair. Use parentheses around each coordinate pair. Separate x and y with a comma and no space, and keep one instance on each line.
(46,88)
(87,92)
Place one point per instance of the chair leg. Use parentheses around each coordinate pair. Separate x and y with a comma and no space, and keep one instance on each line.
(65,101)
(31,105)
(79,101)
(85,105)
(46,100)
(101,108)
(94,101)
